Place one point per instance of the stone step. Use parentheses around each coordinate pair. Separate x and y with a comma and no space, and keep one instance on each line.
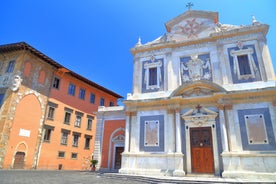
(161,180)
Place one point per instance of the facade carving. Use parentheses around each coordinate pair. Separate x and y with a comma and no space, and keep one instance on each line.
(199,116)
(195,68)
(15,81)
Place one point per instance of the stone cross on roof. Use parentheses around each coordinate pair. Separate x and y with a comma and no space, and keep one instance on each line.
(189,5)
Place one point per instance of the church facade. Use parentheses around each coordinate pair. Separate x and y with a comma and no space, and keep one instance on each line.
(203,101)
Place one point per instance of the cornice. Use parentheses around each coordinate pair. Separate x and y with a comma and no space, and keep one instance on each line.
(220,100)
(212,38)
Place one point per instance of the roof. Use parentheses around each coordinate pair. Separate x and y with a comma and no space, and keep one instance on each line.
(196,27)
(24,46)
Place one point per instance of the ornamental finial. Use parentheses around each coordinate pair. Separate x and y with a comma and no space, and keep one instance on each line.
(254,21)
(139,42)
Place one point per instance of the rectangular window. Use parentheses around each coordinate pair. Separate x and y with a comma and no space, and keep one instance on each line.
(87,142)
(67,118)
(92,98)
(82,94)
(61,154)
(102,102)
(10,67)
(51,112)
(75,140)
(89,123)
(71,89)
(56,82)
(74,155)
(67,115)
(152,76)
(78,121)
(1,99)
(244,65)
(64,137)
(47,135)
(111,104)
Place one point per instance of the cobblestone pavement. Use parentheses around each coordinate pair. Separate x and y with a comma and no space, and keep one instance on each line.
(57,177)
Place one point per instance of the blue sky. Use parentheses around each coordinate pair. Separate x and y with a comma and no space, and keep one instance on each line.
(93,37)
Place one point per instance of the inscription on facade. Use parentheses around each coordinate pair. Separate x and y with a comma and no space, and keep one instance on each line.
(152,133)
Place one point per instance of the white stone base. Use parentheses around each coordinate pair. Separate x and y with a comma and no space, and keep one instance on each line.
(157,164)
(249,165)
(178,173)
(147,172)
(257,176)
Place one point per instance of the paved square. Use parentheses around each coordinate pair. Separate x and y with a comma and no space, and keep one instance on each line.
(57,177)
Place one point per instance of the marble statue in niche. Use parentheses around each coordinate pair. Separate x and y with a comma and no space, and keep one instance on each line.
(195,69)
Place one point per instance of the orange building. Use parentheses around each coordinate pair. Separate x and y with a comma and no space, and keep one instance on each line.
(110,137)
(46,116)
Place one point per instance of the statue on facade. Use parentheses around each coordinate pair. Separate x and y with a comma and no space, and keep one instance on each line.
(225,27)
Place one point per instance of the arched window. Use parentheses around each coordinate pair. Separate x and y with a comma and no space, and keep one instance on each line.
(41,78)
(27,69)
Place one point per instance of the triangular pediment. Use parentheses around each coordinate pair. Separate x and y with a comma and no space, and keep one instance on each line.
(183,19)
(192,25)
(199,116)
(119,138)
(198,89)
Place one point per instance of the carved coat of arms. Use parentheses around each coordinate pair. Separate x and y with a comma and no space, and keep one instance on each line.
(195,69)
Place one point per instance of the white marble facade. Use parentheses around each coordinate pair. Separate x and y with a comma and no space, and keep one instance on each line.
(202,77)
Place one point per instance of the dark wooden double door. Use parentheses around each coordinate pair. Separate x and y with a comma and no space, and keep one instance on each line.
(202,157)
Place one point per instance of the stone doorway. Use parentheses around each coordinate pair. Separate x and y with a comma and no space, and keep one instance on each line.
(118,157)
(202,154)
(19,160)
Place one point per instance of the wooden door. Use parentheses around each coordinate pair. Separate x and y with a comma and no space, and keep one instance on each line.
(118,157)
(202,150)
(19,160)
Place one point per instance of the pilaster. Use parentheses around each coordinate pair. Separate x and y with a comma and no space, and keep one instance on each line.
(129,116)
(223,128)
(177,131)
